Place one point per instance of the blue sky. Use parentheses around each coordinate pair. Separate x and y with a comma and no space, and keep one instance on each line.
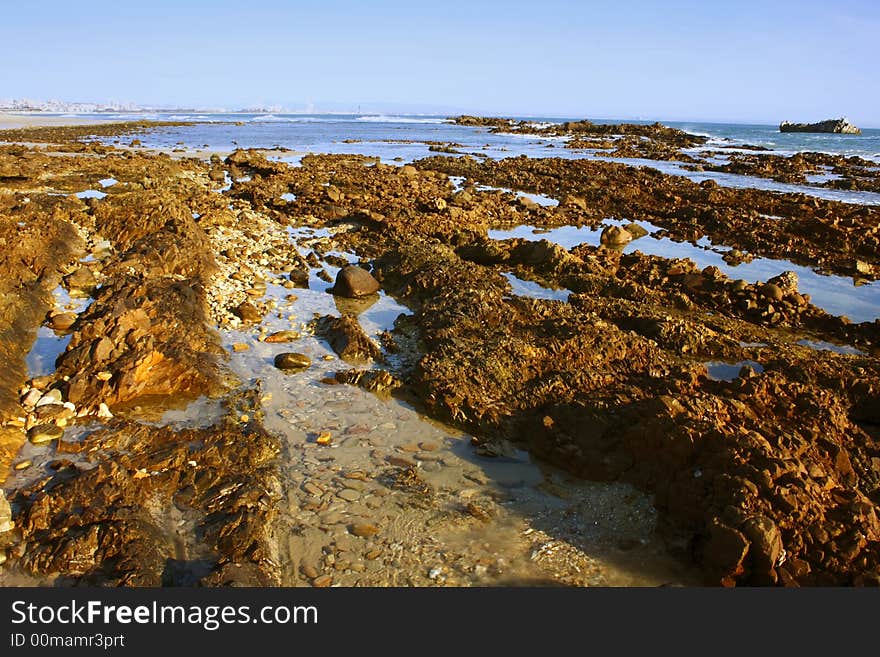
(740,61)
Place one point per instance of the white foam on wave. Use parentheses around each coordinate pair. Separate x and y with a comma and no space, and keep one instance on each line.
(392,118)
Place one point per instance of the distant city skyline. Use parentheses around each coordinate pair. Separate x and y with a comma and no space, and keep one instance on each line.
(746,62)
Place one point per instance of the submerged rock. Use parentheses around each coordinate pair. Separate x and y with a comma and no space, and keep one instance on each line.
(353,281)
(347,338)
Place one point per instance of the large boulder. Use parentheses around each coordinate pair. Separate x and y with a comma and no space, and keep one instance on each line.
(353,282)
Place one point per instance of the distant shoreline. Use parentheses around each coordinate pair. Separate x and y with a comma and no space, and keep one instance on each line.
(38,119)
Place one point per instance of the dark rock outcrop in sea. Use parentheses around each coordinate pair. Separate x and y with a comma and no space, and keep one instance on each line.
(839,126)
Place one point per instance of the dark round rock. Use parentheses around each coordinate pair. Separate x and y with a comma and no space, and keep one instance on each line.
(353,282)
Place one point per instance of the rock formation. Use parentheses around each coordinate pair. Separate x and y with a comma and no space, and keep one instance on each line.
(841,126)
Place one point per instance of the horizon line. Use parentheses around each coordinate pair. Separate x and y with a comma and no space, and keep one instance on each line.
(274,110)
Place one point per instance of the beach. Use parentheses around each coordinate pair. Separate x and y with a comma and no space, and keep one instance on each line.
(426,351)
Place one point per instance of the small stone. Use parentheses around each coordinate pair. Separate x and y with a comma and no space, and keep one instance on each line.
(312,489)
(333,194)
(31,397)
(53,412)
(104,411)
(245,418)
(248,312)
(292,361)
(349,494)
(772,292)
(309,571)
(283,336)
(364,530)
(401,461)
(324,438)
(322,582)
(62,321)
(238,347)
(104,375)
(45,433)
(429,447)
(22,465)
(51,397)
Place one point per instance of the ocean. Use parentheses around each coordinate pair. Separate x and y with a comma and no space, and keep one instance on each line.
(397,139)
(312,131)
(400,139)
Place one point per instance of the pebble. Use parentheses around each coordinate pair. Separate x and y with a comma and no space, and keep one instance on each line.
(22,465)
(349,494)
(401,461)
(364,530)
(62,321)
(283,336)
(772,292)
(51,397)
(312,489)
(292,361)
(32,397)
(104,375)
(45,433)
(309,571)
(240,346)
(322,582)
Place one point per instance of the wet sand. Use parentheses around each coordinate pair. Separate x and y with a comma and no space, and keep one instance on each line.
(34,120)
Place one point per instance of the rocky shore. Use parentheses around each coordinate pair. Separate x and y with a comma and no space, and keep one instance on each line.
(716,431)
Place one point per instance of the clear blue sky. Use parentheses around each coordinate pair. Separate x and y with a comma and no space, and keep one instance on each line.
(743,61)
